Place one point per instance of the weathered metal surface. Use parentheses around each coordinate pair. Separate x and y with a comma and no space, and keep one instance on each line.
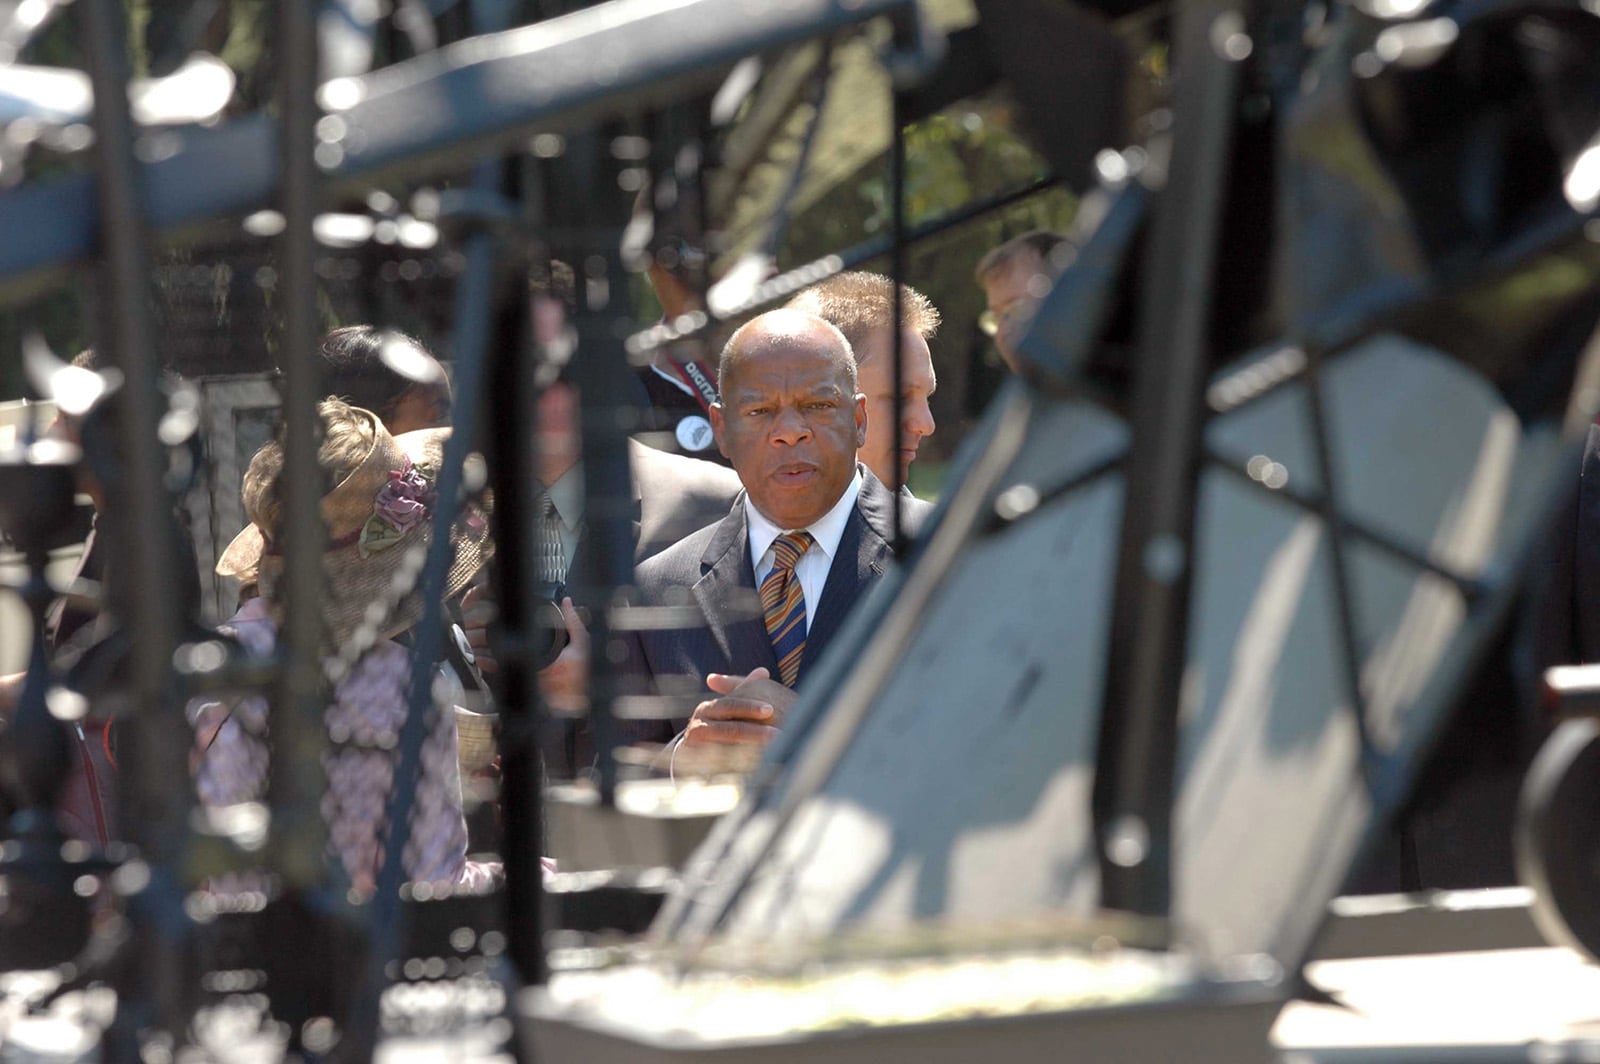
(965,791)
(568,71)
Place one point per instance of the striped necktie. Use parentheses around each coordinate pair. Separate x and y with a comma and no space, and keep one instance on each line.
(784,605)
(552,559)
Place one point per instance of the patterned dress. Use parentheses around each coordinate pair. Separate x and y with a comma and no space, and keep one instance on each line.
(364,720)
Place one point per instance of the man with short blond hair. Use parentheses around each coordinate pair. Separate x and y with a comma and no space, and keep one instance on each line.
(861,306)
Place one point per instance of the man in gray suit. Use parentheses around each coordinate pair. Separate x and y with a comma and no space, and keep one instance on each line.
(773,581)
(676,495)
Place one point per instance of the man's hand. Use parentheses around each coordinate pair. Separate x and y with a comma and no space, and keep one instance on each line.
(478,612)
(565,681)
(749,709)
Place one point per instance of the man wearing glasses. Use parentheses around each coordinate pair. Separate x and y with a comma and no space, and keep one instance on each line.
(1015,277)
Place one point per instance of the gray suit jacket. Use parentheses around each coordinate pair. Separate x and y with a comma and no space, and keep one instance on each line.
(677,495)
(710,573)
(672,497)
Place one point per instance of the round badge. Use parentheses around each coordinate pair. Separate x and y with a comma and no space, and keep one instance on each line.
(694,433)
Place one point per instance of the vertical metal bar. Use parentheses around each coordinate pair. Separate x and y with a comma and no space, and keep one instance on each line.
(607,488)
(1136,764)
(606,420)
(476,212)
(125,332)
(156,793)
(474,304)
(161,735)
(298,834)
(897,274)
(1343,593)
(512,412)
(695,179)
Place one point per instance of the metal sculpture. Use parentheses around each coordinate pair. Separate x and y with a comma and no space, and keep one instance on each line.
(1223,499)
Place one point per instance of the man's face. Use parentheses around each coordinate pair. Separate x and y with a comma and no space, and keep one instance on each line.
(875,380)
(558,441)
(790,426)
(1013,294)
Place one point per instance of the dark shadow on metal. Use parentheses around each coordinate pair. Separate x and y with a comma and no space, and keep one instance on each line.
(1316,502)
(1067,70)
(594,230)
(511,422)
(295,844)
(1049,494)
(1343,593)
(1072,319)
(1137,746)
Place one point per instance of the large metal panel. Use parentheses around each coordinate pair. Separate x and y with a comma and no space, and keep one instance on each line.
(964,794)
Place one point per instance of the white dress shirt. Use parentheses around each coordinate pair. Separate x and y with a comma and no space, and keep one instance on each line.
(813,566)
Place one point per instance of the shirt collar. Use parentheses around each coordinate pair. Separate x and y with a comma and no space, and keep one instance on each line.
(826,530)
(566,495)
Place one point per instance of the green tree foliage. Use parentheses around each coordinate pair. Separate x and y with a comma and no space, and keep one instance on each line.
(953,160)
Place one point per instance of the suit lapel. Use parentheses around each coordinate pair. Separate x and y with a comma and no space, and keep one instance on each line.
(726,592)
(863,554)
